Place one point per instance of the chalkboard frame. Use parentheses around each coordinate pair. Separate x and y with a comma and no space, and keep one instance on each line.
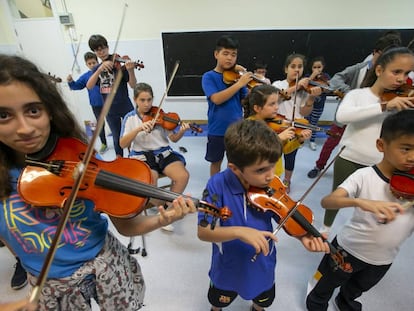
(195,51)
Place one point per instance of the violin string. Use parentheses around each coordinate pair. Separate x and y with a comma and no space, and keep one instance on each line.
(294,208)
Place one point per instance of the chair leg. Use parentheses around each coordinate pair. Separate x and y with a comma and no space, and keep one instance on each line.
(131,246)
(132,241)
(144,247)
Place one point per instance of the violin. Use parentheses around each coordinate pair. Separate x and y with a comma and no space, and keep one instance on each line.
(118,60)
(402,185)
(231,76)
(323,84)
(167,120)
(274,198)
(119,188)
(54,78)
(280,123)
(405,90)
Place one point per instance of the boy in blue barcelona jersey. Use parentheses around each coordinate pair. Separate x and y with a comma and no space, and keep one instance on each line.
(252,151)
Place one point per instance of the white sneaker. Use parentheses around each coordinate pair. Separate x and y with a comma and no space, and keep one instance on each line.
(312,145)
(169,228)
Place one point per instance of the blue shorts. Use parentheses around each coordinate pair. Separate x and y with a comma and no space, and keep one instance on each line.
(215,148)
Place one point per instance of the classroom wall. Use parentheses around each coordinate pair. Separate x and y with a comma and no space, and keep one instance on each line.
(145,21)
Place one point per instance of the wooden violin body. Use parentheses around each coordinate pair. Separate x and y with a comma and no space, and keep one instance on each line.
(275,199)
(405,90)
(50,183)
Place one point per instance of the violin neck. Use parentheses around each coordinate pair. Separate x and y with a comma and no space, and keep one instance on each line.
(254,77)
(324,87)
(130,186)
(305,224)
(307,126)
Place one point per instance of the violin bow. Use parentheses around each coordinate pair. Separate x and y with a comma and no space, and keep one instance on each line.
(79,173)
(293,209)
(175,69)
(120,29)
(294,99)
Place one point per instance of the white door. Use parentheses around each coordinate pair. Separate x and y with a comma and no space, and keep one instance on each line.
(41,41)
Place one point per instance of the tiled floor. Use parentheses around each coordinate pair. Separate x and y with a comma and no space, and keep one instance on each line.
(177,263)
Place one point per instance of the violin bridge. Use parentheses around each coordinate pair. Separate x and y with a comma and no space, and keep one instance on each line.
(78,170)
(55,166)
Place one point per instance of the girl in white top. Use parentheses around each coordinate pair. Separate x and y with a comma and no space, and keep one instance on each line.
(149,142)
(363,111)
(303,102)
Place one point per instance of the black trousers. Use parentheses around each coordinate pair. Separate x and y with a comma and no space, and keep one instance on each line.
(363,277)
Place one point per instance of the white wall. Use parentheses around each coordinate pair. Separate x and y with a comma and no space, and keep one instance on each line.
(144,22)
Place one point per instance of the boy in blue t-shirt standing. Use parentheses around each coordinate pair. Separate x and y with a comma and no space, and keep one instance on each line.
(224,100)
(95,97)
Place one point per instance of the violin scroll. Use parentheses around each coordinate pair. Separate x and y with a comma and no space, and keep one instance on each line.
(54,78)
(402,185)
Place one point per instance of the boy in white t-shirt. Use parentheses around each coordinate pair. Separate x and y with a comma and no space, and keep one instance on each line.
(370,240)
